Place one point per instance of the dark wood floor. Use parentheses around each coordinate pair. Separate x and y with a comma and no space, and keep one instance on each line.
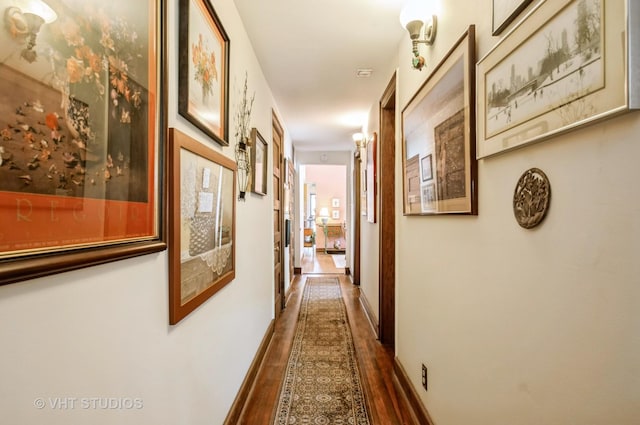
(386,407)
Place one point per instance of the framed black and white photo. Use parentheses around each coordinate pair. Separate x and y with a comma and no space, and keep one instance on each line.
(565,66)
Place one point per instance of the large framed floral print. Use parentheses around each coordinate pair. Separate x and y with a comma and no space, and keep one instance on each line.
(203,76)
(81,134)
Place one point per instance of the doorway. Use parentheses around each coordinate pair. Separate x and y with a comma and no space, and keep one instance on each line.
(325,217)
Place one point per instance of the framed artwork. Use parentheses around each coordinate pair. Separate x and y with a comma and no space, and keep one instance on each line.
(258,163)
(203,76)
(81,135)
(371,178)
(335,214)
(565,66)
(201,223)
(426,170)
(428,197)
(505,11)
(439,122)
(335,202)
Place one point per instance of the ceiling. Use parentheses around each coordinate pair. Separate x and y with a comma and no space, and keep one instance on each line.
(310,52)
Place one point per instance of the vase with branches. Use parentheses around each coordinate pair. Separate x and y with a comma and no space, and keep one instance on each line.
(243,129)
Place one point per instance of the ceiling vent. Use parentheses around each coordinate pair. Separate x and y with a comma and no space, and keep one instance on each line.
(364,72)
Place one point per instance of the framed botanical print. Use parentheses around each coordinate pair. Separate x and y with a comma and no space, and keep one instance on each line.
(203,76)
(81,135)
(202,223)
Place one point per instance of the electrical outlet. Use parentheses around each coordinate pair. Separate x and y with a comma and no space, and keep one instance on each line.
(424,377)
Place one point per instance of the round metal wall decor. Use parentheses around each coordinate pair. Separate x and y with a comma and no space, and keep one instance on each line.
(531,198)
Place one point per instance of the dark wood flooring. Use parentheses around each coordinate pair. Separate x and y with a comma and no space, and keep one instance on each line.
(386,406)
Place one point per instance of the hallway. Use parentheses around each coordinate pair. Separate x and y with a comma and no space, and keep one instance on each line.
(374,361)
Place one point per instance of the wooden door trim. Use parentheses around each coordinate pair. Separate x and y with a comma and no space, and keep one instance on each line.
(279,300)
(386,272)
(357,217)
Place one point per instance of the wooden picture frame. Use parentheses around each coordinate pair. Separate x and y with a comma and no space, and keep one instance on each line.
(203,73)
(371,178)
(259,162)
(440,121)
(202,199)
(503,12)
(530,90)
(82,135)
(426,167)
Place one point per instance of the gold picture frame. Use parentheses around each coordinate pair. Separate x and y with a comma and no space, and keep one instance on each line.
(202,223)
(440,121)
(82,136)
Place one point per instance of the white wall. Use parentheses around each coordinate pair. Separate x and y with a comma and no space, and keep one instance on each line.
(525,326)
(103,331)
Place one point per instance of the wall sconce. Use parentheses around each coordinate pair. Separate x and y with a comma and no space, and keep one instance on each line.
(414,16)
(244,167)
(24,19)
(361,143)
(360,140)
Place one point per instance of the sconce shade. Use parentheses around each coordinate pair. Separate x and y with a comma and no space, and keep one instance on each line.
(36,7)
(414,28)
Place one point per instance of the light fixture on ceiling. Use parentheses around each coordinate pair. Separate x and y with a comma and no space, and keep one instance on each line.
(415,15)
(24,18)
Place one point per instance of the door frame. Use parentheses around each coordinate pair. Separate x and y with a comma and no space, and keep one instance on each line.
(387,231)
(279,297)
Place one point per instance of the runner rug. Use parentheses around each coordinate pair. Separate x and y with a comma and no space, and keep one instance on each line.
(322,382)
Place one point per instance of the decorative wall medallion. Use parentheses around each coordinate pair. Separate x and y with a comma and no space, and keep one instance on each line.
(531,198)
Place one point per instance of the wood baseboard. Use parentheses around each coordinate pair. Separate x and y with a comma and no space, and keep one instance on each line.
(297,270)
(243,393)
(369,313)
(418,411)
(347,271)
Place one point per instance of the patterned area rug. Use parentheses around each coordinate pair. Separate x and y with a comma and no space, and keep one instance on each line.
(322,382)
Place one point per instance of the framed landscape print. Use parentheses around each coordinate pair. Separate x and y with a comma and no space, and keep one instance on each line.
(81,135)
(202,223)
(203,77)
(567,65)
(258,163)
(439,124)
(506,11)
